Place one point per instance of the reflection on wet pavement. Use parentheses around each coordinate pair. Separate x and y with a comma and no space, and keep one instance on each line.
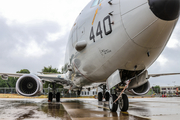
(55,110)
(91,109)
(29,109)
(87,109)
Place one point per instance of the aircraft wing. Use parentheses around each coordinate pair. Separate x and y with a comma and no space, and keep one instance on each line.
(6,75)
(163,74)
(58,78)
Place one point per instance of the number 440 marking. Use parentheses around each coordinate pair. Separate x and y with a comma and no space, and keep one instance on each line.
(106,21)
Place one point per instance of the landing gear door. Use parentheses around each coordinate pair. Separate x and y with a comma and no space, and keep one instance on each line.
(113,80)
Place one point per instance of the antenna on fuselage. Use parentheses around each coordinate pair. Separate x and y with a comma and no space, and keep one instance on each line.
(110,2)
(148,53)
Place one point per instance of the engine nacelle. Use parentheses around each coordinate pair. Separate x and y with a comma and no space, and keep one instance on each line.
(141,90)
(139,80)
(29,85)
(4,77)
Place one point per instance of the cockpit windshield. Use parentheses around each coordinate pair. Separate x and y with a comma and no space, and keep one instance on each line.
(96,2)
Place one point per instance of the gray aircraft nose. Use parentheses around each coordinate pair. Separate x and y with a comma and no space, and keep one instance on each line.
(165,9)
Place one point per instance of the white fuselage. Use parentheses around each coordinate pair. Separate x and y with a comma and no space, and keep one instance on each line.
(124,35)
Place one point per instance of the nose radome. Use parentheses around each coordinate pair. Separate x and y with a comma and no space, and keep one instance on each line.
(165,9)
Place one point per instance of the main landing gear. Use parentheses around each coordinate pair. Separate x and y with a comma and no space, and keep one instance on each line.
(53,94)
(103,94)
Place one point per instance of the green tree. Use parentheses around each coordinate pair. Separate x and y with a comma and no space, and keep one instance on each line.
(156,89)
(150,92)
(50,70)
(3,83)
(12,81)
(23,71)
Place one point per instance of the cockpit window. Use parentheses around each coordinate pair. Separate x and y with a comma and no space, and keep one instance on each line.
(95,3)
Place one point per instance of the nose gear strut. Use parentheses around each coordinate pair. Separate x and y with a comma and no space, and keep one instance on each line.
(122,92)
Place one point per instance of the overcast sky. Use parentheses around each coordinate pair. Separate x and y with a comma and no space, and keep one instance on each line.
(34,33)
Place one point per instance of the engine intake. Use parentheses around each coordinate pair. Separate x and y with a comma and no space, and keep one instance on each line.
(29,85)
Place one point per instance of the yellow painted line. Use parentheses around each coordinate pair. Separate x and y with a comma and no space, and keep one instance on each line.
(94,16)
(125,113)
(74,24)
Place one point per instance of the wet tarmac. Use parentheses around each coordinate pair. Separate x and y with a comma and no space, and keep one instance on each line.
(32,109)
(87,109)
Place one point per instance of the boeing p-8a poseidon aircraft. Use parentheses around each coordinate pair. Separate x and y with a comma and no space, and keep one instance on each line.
(112,43)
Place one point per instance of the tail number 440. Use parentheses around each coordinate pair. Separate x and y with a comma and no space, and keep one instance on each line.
(107,28)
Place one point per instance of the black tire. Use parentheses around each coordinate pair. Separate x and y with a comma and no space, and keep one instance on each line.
(124,103)
(58,97)
(107,96)
(78,92)
(100,96)
(113,106)
(50,97)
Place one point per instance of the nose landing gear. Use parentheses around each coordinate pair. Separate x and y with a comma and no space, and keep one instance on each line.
(113,106)
(124,103)
(122,98)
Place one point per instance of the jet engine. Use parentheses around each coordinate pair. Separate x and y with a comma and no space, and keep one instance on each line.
(29,85)
(141,90)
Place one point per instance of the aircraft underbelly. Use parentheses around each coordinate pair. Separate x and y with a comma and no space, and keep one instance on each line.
(127,57)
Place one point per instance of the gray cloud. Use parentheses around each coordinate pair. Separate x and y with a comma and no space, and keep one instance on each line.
(16,38)
(172,65)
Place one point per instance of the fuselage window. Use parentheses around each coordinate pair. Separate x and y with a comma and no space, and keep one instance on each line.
(95,3)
